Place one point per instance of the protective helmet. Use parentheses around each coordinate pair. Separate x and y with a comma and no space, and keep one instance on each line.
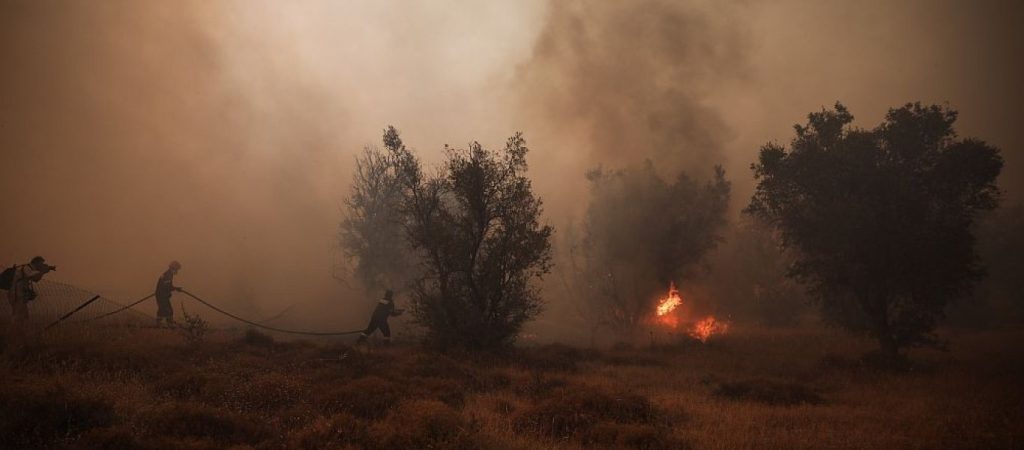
(175,265)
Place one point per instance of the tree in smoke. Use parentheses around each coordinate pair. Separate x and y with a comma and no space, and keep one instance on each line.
(372,233)
(476,225)
(881,221)
(748,277)
(642,233)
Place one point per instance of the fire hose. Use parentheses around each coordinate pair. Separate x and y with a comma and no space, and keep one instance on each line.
(209,305)
(119,309)
(266,327)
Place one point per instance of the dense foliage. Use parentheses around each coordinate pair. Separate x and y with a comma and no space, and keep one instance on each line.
(881,221)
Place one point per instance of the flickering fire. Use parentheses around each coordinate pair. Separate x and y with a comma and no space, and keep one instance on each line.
(707,327)
(667,305)
(666,314)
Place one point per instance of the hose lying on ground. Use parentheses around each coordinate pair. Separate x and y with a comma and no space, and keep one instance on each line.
(279,330)
(211,306)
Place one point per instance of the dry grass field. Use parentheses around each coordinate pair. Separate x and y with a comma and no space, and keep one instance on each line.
(121,387)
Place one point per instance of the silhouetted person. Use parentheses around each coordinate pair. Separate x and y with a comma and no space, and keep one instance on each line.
(164,287)
(379,319)
(23,290)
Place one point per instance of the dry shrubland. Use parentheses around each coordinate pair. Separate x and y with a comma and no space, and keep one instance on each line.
(121,387)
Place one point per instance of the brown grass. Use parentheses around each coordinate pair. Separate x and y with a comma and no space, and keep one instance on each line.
(120,387)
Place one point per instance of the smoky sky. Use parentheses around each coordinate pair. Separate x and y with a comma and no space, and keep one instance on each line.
(222,134)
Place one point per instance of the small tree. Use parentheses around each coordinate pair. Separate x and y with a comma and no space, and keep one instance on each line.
(477,226)
(880,220)
(641,234)
(372,233)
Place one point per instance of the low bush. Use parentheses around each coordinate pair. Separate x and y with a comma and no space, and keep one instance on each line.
(572,411)
(768,392)
(630,435)
(336,431)
(33,416)
(266,392)
(426,424)
(197,420)
(191,383)
(368,398)
(257,338)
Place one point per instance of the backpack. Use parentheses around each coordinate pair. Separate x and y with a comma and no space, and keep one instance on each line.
(7,278)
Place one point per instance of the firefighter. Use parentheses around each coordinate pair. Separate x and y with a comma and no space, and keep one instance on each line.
(23,290)
(164,287)
(379,319)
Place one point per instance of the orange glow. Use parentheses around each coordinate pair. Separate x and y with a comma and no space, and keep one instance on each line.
(667,305)
(667,314)
(708,327)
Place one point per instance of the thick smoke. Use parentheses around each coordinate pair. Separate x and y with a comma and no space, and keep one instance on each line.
(223,133)
(614,83)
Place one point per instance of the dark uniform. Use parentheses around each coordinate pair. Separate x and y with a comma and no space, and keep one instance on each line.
(379,320)
(164,287)
(22,290)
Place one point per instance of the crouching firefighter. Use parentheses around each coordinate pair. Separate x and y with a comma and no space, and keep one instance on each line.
(379,320)
(20,284)
(164,287)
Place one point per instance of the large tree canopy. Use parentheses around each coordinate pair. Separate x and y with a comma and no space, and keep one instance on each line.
(474,227)
(881,221)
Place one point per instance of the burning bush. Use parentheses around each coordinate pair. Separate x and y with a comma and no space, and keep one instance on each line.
(642,232)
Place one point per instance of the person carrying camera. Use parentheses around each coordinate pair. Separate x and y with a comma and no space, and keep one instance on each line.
(23,289)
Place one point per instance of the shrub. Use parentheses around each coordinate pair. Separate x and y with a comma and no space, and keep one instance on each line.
(194,328)
(187,419)
(369,398)
(192,383)
(426,424)
(768,392)
(39,416)
(574,410)
(628,435)
(257,338)
(336,431)
(554,357)
(266,392)
(113,438)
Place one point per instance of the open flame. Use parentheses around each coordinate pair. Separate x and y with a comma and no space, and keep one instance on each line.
(666,314)
(706,327)
(669,304)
